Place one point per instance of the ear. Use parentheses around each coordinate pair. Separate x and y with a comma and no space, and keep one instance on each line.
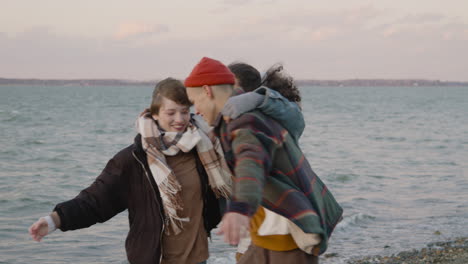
(155,116)
(208,90)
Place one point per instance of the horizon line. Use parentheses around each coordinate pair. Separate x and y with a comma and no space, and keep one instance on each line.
(295,79)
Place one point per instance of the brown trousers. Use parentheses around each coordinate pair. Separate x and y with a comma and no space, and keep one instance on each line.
(260,255)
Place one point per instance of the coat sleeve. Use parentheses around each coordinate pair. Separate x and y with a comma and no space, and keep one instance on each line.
(252,150)
(98,203)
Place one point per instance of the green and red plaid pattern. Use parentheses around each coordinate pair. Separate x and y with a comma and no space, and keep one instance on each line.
(271,170)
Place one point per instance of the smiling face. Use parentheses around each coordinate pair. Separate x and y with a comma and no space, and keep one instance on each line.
(204,103)
(172,117)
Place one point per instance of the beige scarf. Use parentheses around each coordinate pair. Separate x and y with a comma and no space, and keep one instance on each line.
(158,144)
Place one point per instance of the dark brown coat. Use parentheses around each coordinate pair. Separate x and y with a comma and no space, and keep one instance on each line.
(126,183)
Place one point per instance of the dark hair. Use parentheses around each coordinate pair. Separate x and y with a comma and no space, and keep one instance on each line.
(169,88)
(275,78)
(248,77)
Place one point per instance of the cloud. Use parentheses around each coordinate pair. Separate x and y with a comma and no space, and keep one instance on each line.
(235,6)
(360,15)
(347,43)
(421,18)
(138,29)
(237,2)
(307,25)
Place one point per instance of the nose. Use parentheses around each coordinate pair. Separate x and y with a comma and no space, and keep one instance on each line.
(179,118)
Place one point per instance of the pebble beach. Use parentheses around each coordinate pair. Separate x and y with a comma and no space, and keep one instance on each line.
(449,252)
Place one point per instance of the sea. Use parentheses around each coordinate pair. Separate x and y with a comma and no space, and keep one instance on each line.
(395,158)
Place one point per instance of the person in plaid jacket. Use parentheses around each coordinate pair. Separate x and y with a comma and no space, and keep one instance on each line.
(288,209)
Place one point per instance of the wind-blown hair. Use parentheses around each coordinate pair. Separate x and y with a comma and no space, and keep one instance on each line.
(277,79)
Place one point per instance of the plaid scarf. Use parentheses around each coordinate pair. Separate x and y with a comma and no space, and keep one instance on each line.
(157,144)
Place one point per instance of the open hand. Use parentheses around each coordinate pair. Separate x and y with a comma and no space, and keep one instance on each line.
(39,229)
(234,227)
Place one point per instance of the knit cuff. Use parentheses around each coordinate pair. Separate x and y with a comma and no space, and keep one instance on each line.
(50,224)
(240,208)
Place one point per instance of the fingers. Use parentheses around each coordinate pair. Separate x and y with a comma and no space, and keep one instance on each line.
(233,227)
(33,231)
(38,230)
(225,229)
(234,234)
(33,228)
(221,228)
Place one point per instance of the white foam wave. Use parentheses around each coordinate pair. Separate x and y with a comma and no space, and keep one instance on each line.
(353,220)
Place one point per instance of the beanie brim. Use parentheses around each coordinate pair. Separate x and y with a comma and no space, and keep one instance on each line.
(209,79)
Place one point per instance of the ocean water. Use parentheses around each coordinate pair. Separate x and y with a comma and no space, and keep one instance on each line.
(394,157)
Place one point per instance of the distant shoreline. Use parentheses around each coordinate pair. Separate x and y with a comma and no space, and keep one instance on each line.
(329,83)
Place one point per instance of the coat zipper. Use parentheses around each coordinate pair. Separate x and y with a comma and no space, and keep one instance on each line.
(155,196)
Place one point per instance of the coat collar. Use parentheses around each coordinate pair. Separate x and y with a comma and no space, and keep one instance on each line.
(219,119)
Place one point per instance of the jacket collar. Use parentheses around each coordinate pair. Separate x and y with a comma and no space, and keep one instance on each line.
(138,147)
(219,119)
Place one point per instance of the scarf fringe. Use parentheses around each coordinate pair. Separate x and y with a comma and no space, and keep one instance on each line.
(223,191)
(169,190)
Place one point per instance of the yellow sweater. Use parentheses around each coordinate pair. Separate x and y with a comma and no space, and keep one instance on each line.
(270,242)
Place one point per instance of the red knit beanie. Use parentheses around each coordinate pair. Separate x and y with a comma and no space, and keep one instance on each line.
(209,72)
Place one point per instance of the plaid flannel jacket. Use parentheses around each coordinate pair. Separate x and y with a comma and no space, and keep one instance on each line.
(271,170)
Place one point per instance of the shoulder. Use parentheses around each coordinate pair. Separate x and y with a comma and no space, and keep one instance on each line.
(125,153)
(258,125)
(251,120)
(123,159)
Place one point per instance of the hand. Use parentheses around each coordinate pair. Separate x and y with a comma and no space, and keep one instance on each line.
(39,229)
(234,227)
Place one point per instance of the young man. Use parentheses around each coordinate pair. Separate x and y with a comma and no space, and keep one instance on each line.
(289,210)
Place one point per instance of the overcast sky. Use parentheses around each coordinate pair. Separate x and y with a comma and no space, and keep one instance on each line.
(152,39)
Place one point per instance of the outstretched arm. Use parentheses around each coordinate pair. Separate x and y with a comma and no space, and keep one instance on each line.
(98,203)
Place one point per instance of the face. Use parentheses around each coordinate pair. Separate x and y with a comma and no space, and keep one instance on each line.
(204,103)
(172,117)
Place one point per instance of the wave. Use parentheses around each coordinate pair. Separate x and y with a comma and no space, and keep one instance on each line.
(342,177)
(354,220)
(388,138)
(9,115)
(34,142)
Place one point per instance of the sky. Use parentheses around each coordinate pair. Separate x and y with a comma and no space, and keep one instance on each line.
(152,39)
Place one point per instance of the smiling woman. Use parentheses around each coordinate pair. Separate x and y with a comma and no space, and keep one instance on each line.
(170,106)
(170,180)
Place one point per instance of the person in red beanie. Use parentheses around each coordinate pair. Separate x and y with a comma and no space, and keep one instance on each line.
(288,209)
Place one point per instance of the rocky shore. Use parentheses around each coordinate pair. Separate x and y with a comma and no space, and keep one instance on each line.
(452,252)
